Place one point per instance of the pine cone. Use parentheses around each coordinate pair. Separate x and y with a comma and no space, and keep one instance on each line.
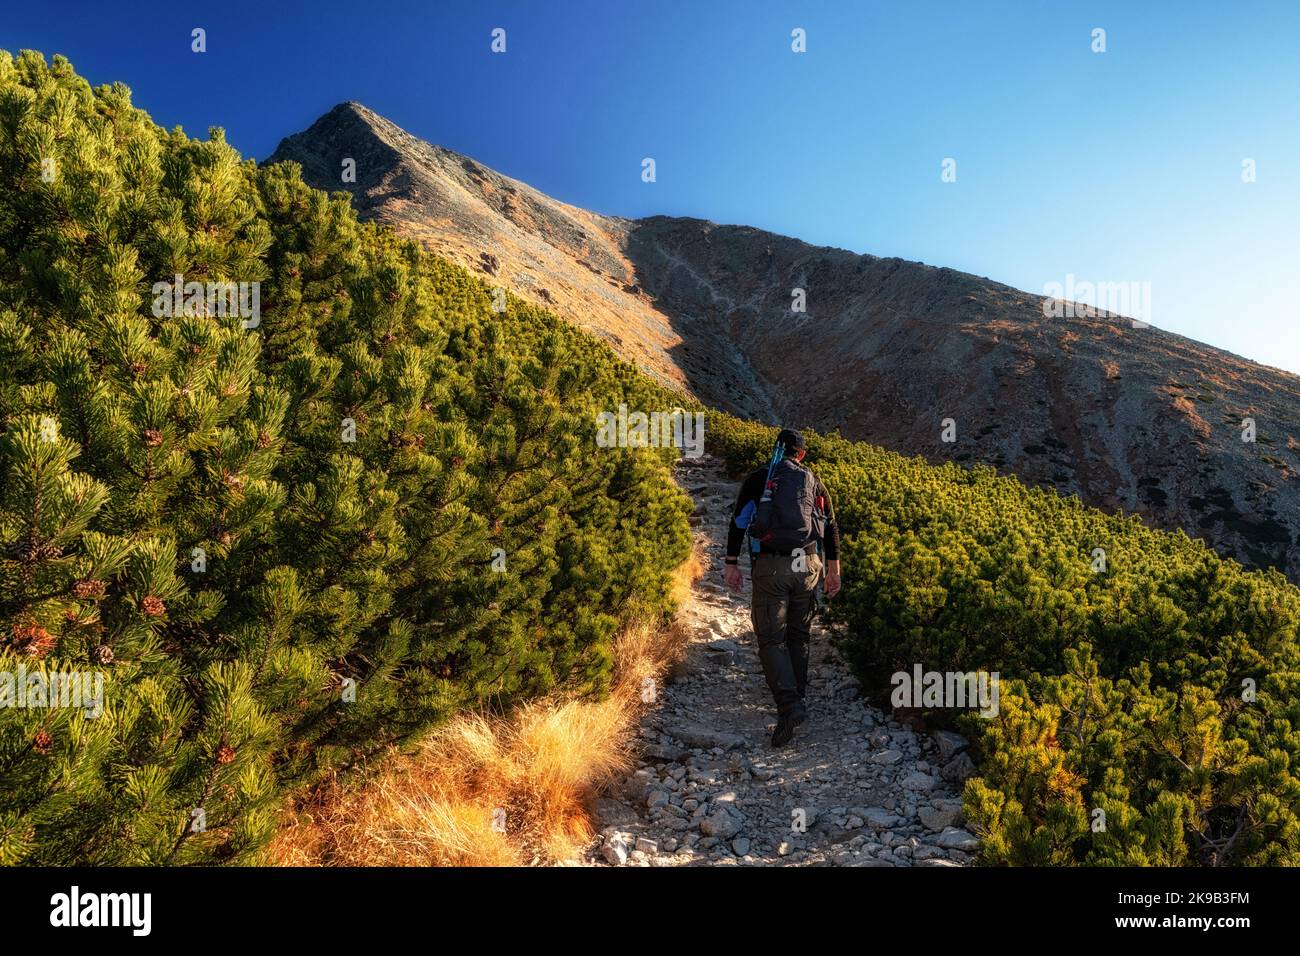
(225,754)
(41,551)
(32,639)
(152,606)
(103,654)
(152,437)
(263,439)
(88,589)
(42,742)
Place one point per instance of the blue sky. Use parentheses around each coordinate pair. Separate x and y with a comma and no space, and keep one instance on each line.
(1122,166)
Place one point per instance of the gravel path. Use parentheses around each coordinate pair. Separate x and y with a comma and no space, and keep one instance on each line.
(854,787)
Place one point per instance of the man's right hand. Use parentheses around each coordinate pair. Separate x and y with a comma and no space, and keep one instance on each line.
(733,577)
(832,578)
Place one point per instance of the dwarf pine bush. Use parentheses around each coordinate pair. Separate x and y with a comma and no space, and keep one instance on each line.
(285,540)
(1150,701)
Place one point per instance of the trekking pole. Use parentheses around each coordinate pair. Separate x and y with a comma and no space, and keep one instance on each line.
(777,454)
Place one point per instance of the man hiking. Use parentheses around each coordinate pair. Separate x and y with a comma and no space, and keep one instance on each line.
(791,525)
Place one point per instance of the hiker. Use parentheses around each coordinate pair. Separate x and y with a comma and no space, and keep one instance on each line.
(787,513)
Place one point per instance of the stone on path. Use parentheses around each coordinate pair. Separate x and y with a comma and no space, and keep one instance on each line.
(706,738)
(954,839)
(614,850)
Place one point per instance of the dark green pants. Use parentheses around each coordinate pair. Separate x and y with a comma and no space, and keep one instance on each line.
(783,606)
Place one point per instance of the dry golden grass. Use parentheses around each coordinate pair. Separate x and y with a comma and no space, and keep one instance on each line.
(437,805)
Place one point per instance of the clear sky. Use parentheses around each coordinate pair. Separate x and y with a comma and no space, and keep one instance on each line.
(1122,166)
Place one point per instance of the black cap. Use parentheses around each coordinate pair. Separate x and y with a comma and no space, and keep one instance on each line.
(791,440)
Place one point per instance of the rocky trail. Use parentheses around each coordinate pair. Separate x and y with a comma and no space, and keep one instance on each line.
(854,787)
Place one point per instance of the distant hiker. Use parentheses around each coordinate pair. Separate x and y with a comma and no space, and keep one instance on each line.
(787,513)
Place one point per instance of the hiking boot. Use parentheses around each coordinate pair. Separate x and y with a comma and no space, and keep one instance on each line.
(786,723)
(784,730)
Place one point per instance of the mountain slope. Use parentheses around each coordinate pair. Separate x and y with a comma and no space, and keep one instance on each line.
(1127,418)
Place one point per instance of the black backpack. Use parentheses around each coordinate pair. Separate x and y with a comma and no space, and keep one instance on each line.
(790,513)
